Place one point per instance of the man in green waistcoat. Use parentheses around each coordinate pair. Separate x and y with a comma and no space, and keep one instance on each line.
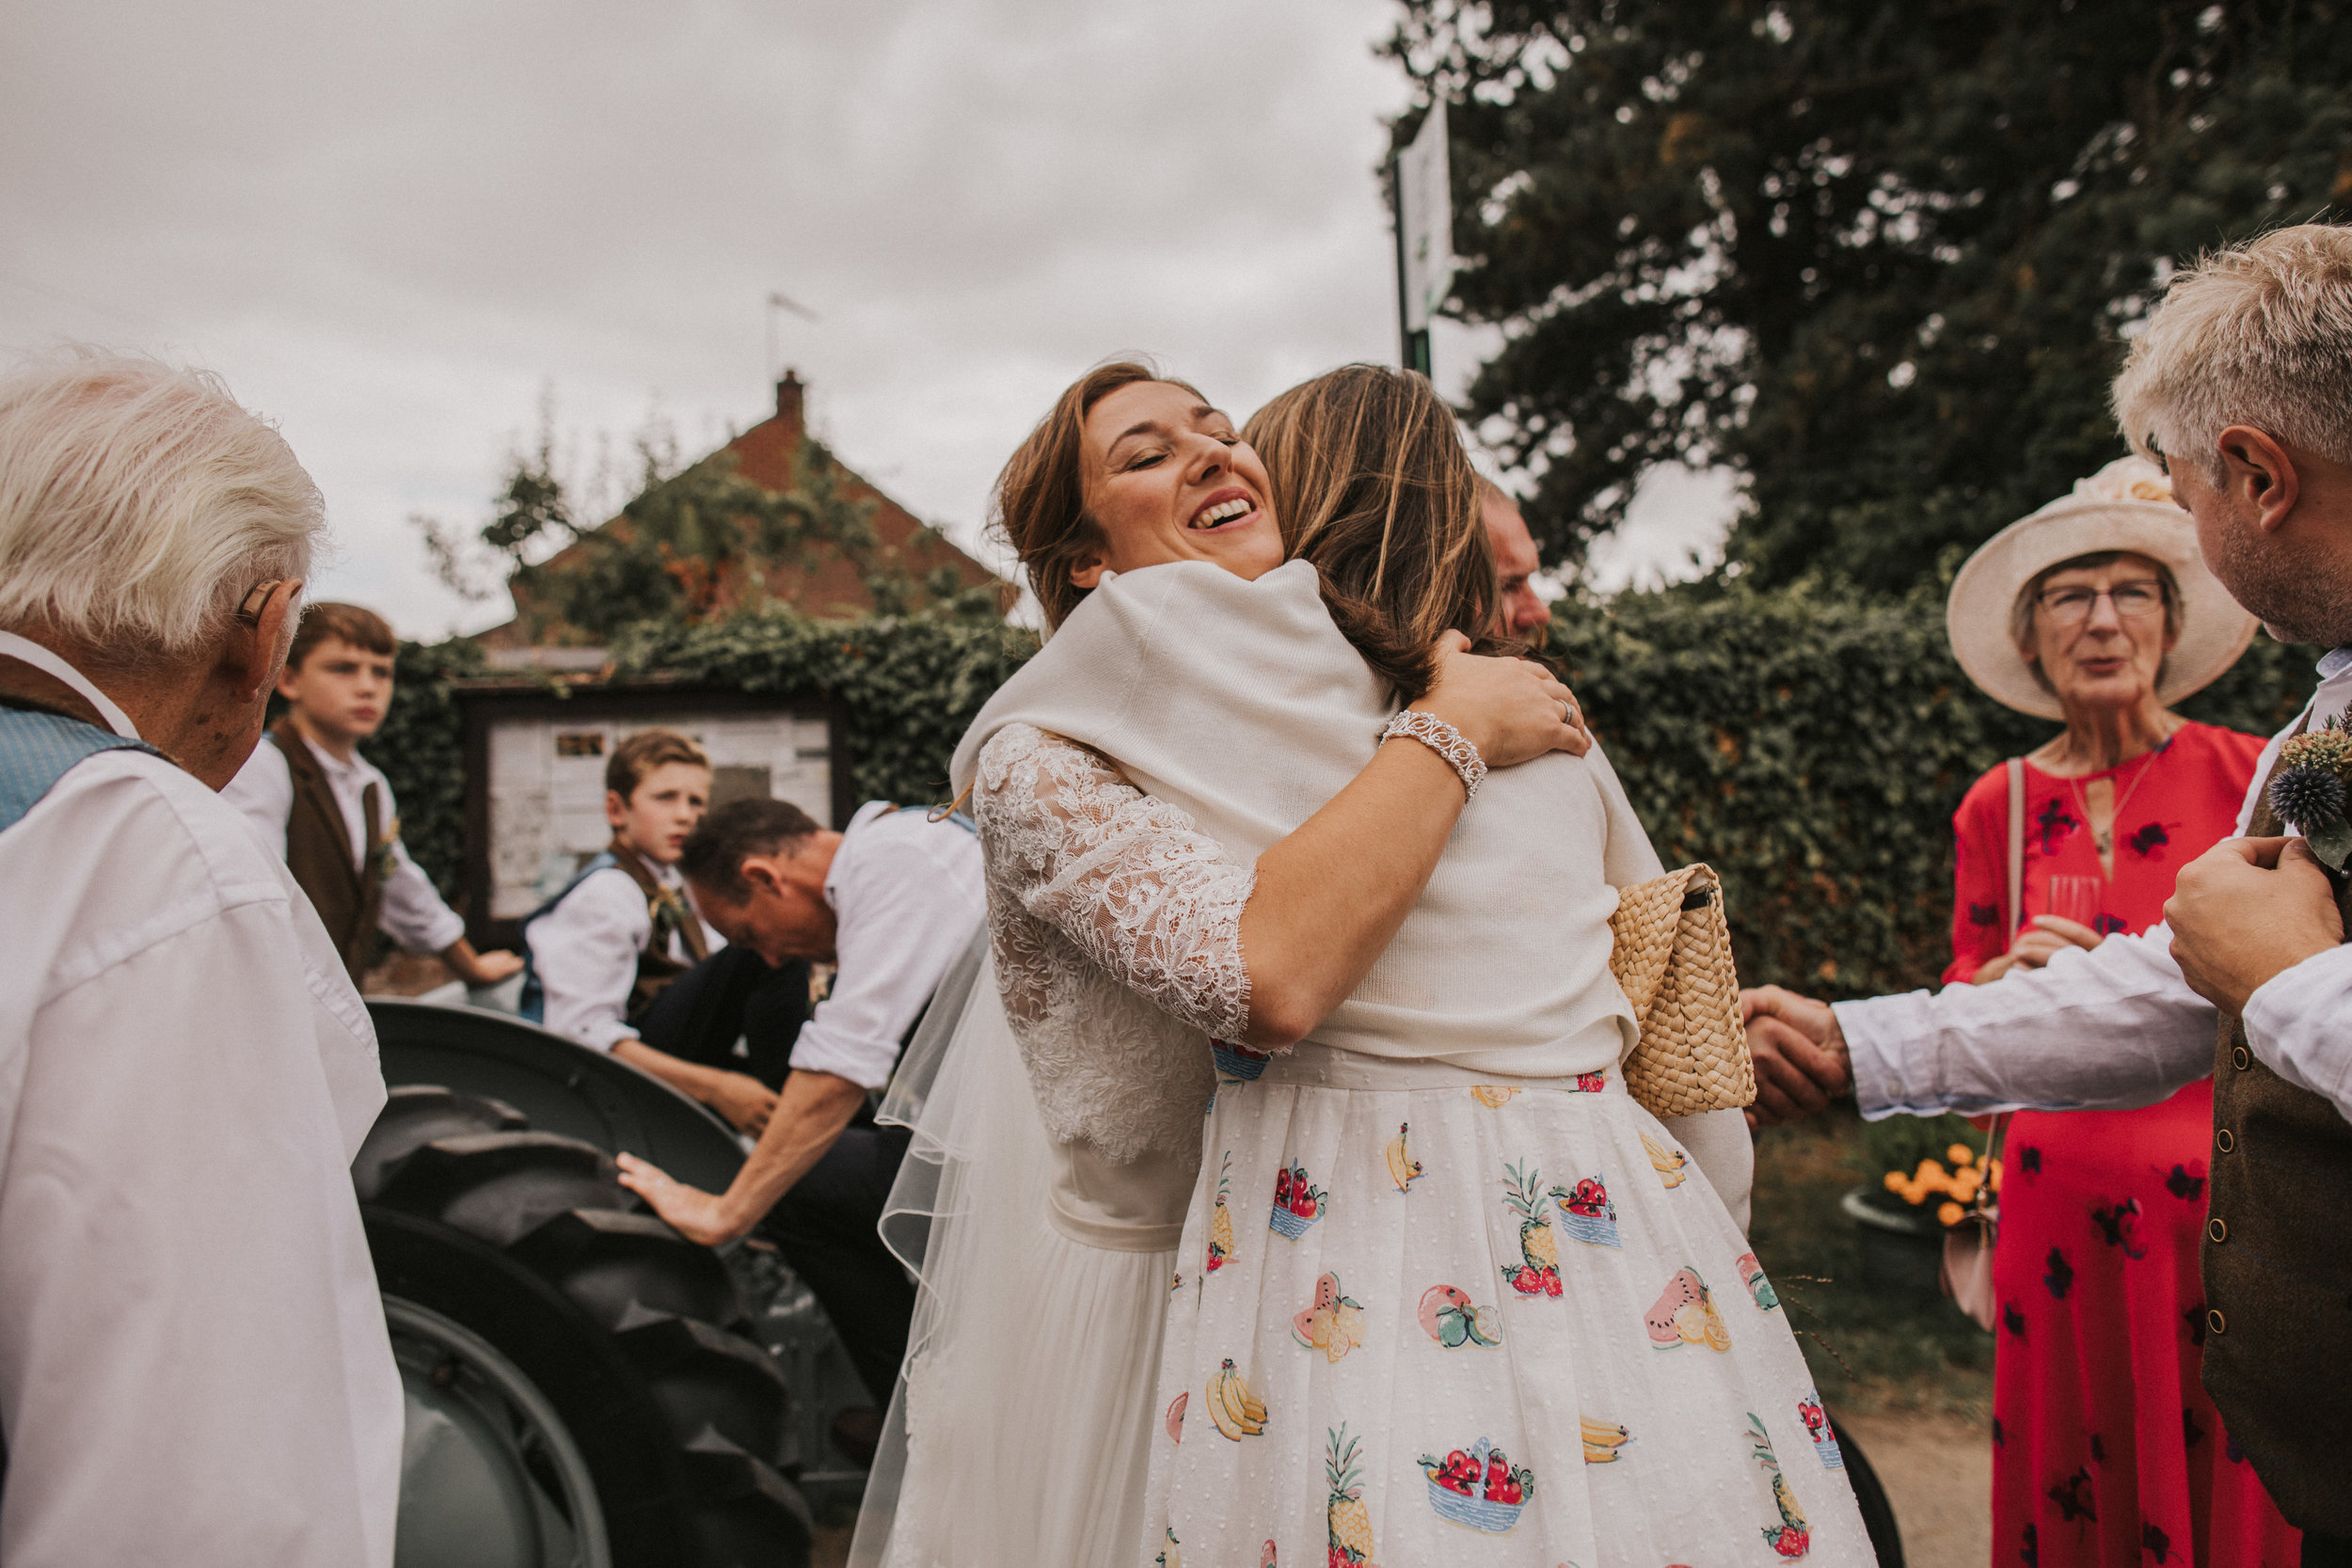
(2242,385)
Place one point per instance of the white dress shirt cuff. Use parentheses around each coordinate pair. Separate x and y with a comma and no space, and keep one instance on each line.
(2295,1024)
(2107,1029)
(868,1063)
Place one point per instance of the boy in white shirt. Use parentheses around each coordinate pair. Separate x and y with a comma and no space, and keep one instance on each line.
(328,812)
(606,946)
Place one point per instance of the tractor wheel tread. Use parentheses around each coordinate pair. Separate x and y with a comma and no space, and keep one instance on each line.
(689,1398)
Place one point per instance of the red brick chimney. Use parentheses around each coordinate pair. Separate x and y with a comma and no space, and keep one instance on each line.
(788,394)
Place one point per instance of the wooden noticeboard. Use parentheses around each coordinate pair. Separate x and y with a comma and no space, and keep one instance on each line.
(534,775)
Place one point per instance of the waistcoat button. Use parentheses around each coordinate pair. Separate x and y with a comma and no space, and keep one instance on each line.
(2217,1229)
(2240,1058)
(2215,1321)
(2224,1141)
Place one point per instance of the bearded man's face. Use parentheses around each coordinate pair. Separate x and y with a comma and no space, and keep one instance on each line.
(2294,602)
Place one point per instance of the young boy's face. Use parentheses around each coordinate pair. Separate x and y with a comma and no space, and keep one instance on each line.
(341,691)
(654,820)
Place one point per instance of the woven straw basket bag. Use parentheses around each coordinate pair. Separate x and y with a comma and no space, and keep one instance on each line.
(1673,959)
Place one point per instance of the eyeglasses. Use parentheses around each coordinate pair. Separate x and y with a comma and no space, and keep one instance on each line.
(2071,607)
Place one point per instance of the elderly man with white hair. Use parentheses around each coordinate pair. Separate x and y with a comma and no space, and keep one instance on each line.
(2242,385)
(194,1368)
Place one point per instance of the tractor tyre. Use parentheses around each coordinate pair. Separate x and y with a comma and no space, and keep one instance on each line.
(629,1331)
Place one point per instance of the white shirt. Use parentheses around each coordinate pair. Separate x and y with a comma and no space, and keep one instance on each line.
(2113,1026)
(907,893)
(413,913)
(194,1368)
(585,952)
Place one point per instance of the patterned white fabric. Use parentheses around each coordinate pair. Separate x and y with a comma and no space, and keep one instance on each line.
(1403,1270)
(1115,924)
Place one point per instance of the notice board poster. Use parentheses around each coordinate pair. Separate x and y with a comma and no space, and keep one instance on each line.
(536,783)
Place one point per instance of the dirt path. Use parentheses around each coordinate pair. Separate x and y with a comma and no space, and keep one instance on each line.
(1938,1471)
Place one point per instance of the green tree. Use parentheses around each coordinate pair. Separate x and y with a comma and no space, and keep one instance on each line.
(1878,256)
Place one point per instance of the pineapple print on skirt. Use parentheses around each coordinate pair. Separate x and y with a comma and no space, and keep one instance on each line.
(1347,1520)
(1791,1538)
(1537,1273)
(1221,1221)
(1297,1202)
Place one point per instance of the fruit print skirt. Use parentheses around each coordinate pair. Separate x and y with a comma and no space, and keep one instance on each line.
(1442,1321)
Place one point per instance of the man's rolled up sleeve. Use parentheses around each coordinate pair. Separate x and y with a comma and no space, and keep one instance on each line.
(904,920)
(2300,1025)
(2110,1028)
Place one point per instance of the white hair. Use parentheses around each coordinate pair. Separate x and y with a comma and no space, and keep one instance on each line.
(140,503)
(2258,335)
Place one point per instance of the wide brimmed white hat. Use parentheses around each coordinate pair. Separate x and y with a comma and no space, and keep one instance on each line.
(2126,505)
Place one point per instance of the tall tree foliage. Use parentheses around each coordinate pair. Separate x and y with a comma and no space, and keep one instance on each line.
(1877,255)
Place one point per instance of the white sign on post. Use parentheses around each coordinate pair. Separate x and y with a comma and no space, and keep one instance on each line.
(1425,212)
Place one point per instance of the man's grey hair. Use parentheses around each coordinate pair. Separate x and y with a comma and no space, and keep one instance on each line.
(2258,335)
(140,503)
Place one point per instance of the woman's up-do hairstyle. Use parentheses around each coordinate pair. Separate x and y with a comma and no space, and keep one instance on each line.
(1371,483)
(1040,507)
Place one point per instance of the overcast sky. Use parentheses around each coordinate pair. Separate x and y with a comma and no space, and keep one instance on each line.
(390,226)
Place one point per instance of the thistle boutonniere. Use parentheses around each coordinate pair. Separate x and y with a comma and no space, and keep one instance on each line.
(669,916)
(2309,791)
(386,844)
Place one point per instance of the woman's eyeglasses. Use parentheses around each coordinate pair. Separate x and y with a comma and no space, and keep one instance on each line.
(2071,607)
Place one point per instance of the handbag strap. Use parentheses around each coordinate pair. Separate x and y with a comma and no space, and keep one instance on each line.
(2016,845)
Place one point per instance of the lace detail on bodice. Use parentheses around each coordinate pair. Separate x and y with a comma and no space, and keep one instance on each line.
(1117,929)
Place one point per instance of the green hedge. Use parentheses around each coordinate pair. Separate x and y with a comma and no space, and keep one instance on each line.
(421,748)
(1809,742)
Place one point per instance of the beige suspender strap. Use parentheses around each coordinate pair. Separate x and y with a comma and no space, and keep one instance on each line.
(2016,845)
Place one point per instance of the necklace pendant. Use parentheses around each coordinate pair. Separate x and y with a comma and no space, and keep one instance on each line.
(2104,838)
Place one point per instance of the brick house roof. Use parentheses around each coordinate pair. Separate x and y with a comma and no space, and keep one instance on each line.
(831,585)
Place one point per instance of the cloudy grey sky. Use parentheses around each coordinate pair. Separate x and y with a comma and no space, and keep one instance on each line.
(390,226)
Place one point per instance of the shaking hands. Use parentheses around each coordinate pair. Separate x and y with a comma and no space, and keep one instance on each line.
(1800,1054)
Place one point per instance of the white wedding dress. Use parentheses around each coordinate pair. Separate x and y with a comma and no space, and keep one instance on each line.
(1115,923)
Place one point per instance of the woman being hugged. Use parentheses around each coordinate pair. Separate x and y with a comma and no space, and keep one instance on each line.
(1439,1276)
(1057,1149)
(2097,611)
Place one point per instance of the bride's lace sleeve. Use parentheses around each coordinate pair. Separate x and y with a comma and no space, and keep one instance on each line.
(1129,879)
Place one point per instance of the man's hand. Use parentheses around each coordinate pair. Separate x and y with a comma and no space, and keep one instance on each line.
(482,969)
(2246,910)
(743,1099)
(695,1215)
(1799,1051)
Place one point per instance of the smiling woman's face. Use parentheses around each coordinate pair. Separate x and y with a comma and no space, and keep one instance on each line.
(1167,479)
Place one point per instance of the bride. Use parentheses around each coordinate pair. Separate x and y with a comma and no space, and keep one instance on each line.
(1234,703)
(1022,1425)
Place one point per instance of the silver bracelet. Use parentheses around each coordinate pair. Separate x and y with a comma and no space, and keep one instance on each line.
(1444,740)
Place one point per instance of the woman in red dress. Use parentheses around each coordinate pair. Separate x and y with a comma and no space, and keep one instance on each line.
(2107,1450)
